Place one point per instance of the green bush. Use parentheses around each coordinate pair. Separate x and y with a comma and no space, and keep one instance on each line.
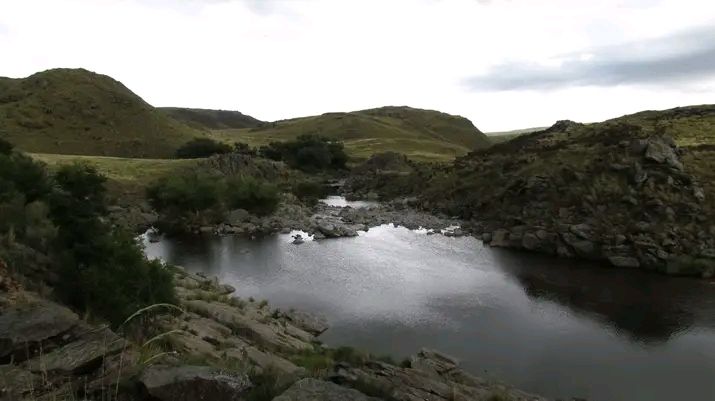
(59,223)
(256,196)
(193,192)
(244,149)
(101,271)
(202,147)
(308,153)
(309,191)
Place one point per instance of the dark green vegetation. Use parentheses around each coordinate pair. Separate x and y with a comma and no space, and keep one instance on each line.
(199,148)
(212,119)
(637,190)
(79,112)
(203,197)
(420,134)
(53,229)
(308,153)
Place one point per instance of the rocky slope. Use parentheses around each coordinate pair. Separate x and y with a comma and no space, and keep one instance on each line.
(635,192)
(217,347)
(75,111)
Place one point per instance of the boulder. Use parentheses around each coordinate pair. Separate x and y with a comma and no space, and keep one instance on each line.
(500,238)
(530,241)
(624,261)
(26,325)
(191,383)
(319,390)
(262,360)
(313,324)
(661,151)
(79,356)
(269,334)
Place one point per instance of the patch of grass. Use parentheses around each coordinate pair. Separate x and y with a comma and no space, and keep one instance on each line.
(127,178)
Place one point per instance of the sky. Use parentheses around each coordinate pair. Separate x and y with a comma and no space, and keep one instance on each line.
(504,64)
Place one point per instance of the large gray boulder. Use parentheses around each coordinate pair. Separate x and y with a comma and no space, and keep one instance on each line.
(661,151)
(318,390)
(26,325)
(313,324)
(86,352)
(193,383)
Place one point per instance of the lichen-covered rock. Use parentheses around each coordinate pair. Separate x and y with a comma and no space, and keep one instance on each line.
(311,323)
(318,390)
(192,383)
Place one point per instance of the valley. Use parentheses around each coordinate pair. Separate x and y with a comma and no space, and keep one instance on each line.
(574,261)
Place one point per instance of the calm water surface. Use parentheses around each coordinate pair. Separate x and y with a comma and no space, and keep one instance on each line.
(562,329)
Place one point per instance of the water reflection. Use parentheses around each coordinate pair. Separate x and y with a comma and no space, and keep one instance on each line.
(555,327)
(648,308)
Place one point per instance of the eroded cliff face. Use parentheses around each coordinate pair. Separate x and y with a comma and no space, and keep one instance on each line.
(216,347)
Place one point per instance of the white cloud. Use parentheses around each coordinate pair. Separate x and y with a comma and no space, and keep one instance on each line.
(277,59)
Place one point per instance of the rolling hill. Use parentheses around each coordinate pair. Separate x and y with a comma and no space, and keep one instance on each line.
(75,111)
(420,134)
(212,119)
(503,136)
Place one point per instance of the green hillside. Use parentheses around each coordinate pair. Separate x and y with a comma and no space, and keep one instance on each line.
(420,134)
(503,136)
(75,111)
(212,119)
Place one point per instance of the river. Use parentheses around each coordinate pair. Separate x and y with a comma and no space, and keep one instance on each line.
(555,327)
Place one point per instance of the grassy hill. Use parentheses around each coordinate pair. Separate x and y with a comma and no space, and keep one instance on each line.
(420,134)
(503,136)
(75,111)
(212,119)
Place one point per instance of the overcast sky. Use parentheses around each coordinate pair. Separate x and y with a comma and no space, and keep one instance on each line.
(504,64)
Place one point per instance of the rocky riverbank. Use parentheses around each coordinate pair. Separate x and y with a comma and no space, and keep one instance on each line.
(216,346)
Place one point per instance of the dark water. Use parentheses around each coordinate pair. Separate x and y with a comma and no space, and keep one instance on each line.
(559,328)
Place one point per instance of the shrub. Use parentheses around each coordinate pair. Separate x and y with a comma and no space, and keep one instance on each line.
(308,153)
(5,147)
(244,149)
(191,192)
(101,271)
(248,193)
(201,147)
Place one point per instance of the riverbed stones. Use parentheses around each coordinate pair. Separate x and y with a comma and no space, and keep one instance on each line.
(191,383)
